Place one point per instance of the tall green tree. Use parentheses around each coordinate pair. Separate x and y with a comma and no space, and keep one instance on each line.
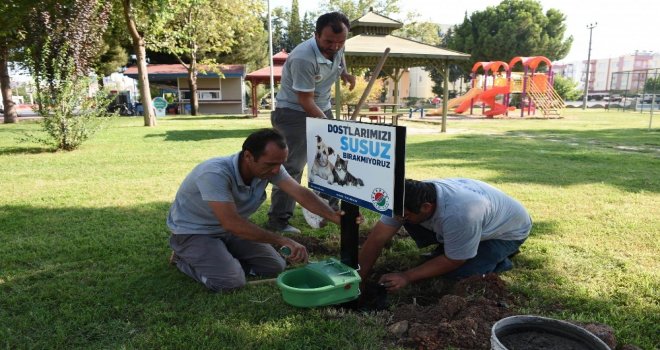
(295,28)
(512,28)
(144,17)
(279,17)
(422,31)
(199,30)
(355,9)
(112,55)
(308,25)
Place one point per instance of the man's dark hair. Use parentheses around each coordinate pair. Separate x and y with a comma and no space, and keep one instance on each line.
(257,141)
(334,20)
(418,193)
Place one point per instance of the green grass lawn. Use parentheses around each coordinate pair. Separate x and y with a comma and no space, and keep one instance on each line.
(83,258)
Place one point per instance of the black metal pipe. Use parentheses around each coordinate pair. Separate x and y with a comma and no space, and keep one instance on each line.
(350,234)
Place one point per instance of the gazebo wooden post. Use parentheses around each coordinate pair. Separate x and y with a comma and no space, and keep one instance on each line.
(445,94)
(255,111)
(338,99)
(443,69)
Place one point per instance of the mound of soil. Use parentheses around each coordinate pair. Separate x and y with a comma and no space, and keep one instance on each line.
(461,319)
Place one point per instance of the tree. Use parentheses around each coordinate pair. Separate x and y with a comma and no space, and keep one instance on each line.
(279,17)
(12,31)
(354,10)
(112,54)
(199,30)
(143,17)
(512,28)
(308,25)
(422,31)
(295,28)
(652,85)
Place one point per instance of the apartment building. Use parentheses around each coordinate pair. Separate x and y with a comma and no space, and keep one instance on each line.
(612,74)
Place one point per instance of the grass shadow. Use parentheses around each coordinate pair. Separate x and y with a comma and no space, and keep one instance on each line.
(534,157)
(202,134)
(215,117)
(25,150)
(99,278)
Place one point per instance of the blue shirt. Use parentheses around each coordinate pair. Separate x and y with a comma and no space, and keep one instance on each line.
(307,70)
(468,212)
(217,180)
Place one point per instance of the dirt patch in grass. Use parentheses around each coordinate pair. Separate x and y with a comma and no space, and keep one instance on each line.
(436,313)
(460,317)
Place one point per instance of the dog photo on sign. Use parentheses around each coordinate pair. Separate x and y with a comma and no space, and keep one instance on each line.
(323,166)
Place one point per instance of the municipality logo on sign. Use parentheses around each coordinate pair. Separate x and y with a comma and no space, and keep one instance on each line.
(380,199)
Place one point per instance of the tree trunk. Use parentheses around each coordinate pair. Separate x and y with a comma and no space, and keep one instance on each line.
(192,82)
(9,106)
(143,74)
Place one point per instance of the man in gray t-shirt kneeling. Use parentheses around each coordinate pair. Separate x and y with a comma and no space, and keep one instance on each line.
(212,239)
(478,226)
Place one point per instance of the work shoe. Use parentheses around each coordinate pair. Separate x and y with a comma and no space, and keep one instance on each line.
(313,220)
(173,258)
(439,250)
(503,266)
(288,229)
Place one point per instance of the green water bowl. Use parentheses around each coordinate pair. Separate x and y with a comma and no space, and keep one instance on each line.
(320,283)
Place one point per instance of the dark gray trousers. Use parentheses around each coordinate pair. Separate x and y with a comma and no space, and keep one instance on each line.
(221,262)
(292,124)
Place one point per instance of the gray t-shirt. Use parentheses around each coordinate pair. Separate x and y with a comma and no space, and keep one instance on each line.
(469,211)
(306,70)
(217,180)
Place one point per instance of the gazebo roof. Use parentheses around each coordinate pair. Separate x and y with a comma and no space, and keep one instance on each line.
(366,50)
(373,20)
(373,33)
(262,75)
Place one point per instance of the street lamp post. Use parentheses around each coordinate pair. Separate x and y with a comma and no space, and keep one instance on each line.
(591,27)
(270,53)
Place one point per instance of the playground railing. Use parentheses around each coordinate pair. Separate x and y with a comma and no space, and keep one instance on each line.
(546,98)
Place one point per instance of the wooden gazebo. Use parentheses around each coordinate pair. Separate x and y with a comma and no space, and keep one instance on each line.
(372,34)
(262,76)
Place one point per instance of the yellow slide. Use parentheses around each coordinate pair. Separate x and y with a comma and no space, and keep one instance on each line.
(472,93)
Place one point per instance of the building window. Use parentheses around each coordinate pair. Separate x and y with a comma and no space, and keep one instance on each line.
(202,95)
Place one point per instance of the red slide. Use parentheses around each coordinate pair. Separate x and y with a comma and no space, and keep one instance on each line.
(488,97)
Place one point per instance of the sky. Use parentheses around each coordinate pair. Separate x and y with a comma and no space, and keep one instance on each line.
(623,26)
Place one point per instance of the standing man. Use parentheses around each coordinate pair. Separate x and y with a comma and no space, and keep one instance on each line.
(308,75)
(476,226)
(212,239)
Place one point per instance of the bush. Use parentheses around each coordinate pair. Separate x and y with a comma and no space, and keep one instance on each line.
(566,88)
(353,97)
(69,115)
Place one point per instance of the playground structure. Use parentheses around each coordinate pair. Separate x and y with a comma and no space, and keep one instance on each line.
(498,78)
